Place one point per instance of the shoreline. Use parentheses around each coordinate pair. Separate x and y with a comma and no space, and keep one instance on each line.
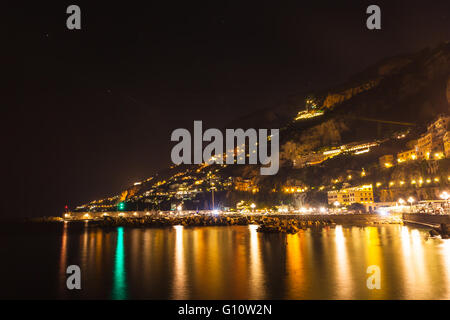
(267,223)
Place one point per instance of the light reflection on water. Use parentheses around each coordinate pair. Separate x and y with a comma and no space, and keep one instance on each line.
(343,272)
(119,290)
(256,275)
(240,263)
(179,278)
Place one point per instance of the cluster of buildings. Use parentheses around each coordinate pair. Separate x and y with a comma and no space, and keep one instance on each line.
(434,144)
(308,114)
(245,185)
(314,158)
(360,194)
(311,110)
(347,196)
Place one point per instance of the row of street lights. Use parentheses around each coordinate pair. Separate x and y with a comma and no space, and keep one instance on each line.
(444,196)
(411,200)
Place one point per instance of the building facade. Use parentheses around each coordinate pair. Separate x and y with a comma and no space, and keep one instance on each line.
(406,156)
(386,160)
(344,197)
(446,141)
(431,145)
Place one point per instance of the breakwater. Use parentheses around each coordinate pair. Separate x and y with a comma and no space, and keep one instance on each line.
(363,219)
(278,223)
(168,221)
(432,219)
(439,223)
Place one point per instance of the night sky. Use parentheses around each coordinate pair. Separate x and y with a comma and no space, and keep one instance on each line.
(88,112)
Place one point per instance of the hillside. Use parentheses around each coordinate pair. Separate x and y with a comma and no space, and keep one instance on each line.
(396,97)
(409,88)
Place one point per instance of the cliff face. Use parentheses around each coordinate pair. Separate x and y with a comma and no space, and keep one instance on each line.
(414,92)
(448,91)
(392,65)
(392,195)
(412,89)
(409,89)
(333,99)
(127,194)
(324,134)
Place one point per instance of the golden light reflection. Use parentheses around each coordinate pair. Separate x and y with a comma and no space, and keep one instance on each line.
(84,245)
(91,246)
(154,256)
(98,250)
(415,274)
(179,281)
(344,279)
(240,263)
(256,276)
(240,256)
(295,265)
(136,251)
(214,252)
(419,259)
(146,256)
(200,261)
(445,250)
(374,258)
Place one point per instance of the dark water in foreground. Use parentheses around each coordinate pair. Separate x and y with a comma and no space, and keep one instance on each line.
(222,263)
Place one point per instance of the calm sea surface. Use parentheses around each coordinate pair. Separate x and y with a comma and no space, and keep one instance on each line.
(222,263)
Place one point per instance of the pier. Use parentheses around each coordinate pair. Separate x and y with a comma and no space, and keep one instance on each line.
(440,223)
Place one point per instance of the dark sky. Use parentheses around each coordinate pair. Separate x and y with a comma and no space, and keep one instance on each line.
(88,112)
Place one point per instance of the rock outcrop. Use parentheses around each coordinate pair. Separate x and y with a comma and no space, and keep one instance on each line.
(334,99)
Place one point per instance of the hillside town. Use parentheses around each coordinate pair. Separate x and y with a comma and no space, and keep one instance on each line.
(416,175)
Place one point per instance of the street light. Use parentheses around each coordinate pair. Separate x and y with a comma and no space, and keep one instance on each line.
(411,201)
(445,196)
(401,201)
(336,204)
(212,193)
(253,206)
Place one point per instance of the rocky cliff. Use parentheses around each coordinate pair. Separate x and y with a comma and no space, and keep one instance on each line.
(333,99)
